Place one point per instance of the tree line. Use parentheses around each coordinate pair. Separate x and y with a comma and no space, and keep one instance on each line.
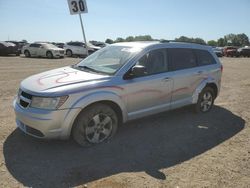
(227,40)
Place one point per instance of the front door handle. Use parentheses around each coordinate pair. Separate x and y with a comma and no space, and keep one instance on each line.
(166,79)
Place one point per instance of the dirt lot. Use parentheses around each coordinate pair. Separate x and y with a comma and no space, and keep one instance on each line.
(171,149)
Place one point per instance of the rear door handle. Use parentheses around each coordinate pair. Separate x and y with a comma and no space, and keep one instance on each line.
(200,72)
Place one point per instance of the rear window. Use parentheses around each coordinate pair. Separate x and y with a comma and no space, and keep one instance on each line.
(204,58)
(181,58)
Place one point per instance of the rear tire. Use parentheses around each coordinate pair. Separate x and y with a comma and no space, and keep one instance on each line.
(94,125)
(27,53)
(205,101)
(69,53)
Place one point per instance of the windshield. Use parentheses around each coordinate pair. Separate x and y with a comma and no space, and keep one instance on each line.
(108,60)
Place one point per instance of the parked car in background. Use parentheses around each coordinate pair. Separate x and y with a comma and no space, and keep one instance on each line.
(92,48)
(75,48)
(79,48)
(19,45)
(244,51)
(42,50)
(59,45)
(230,51)
(218,51)
(99,44)
(7,48)
(118,83)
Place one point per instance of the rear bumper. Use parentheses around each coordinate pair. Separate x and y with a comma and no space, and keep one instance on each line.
(45,124)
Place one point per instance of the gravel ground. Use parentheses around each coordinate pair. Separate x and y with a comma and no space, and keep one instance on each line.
(171,149)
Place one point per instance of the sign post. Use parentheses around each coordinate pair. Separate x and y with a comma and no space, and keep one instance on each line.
(79,7)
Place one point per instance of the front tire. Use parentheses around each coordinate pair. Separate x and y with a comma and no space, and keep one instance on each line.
(97,124)
(49,55)
(205,101)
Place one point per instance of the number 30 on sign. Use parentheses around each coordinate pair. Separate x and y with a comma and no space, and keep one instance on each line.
(77,6)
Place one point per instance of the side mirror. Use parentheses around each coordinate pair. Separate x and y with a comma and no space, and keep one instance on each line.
(136,71)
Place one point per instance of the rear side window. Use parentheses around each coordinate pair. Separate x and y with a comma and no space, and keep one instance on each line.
(35,45)
(204,58)
(181,58)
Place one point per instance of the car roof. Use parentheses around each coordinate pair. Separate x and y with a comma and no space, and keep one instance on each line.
(7,43)
(170,44)
(41,43)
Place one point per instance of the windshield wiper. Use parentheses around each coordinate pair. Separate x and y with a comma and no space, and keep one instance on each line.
(89,69)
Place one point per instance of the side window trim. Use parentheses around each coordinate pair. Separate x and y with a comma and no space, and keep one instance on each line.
(208,54)
(171,63)
(163,50)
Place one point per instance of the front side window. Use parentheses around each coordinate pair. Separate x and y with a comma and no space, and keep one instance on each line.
(204,58)
(154,62)
(182,58)
(108,60)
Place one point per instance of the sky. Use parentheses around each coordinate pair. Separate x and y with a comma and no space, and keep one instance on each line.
(50,20)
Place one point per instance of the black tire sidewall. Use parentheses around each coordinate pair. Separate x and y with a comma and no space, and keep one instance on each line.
(78,131)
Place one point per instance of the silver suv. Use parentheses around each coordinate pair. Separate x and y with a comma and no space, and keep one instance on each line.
(116,84)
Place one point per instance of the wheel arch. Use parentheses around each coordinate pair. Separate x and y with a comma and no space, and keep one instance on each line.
(214,87)
(68,49)
(209,82)
(108,98)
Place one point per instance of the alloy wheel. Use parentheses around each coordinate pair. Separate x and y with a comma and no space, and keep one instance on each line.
(99,128)
(206,101)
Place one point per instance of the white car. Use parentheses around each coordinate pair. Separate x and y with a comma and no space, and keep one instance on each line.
(75,48)
(79,48)
(42,50)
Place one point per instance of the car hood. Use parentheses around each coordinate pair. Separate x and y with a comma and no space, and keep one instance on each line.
(60,80)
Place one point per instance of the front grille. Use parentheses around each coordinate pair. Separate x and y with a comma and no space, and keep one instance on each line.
(26,95)
(23,103)
(61,52)
(24,99)
(33,131)
(30,130)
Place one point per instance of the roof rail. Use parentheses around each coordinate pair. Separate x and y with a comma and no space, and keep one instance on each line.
(190,42)
(167,41)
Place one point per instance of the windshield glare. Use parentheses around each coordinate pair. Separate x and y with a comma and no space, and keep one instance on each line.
(109,59)
(49,46)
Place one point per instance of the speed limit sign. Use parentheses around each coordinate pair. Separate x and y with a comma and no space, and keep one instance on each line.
(77,6)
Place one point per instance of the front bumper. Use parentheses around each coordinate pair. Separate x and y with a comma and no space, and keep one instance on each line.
(58,54)
(45,123)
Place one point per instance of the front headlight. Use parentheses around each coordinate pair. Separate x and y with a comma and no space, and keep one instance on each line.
(48,103)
